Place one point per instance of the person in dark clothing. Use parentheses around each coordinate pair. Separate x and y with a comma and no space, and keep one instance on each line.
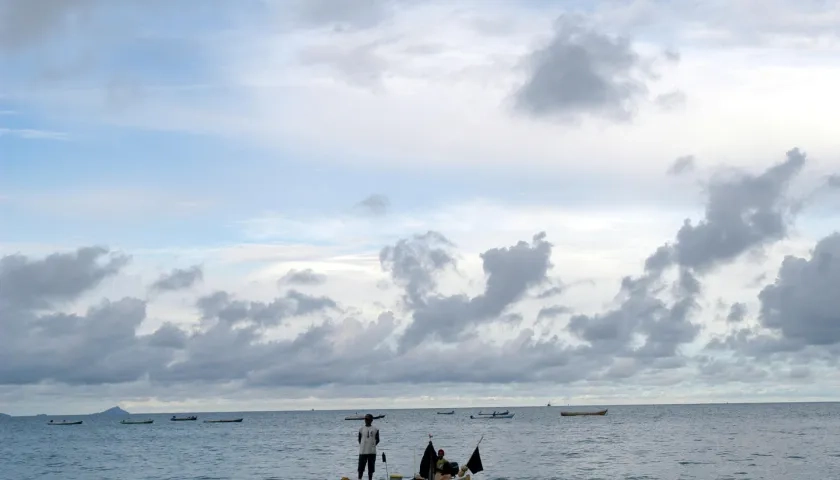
(368,440)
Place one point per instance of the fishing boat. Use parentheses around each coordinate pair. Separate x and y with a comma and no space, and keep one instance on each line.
(53,422)
(491,417)
(495,413)
(183,419)
(451,412)
(231,420)
(136,422)
(362,417)
(580,414)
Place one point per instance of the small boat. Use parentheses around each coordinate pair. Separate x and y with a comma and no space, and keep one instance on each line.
(52,422)
(362,417)
(183,419)
(232,420)
(451,412)
(490,417)
(136,422)
(580,414)
(495,413)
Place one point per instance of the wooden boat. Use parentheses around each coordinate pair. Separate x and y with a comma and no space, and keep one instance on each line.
(490,417)
(362,417)
(451,412)
(495,413)
(52,422)
(232,420)
(183,419)
(579,414)
(136,422)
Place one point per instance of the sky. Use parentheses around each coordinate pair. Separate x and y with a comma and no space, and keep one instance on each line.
(268,205)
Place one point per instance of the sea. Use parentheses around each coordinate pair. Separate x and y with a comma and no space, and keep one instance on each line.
(730,441)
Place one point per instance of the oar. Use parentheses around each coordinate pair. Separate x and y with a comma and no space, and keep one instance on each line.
(386,466)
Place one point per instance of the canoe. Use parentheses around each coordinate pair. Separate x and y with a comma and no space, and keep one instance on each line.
(136,422)
(579,414)
(234,420)
(362,417)
(64,423)
(490,417)
(495,413)
(184,419)
(451,412)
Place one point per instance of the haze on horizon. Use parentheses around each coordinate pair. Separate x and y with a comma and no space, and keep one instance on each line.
(272,205)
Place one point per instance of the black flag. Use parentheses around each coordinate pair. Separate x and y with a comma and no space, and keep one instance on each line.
(427,463)
(474,463)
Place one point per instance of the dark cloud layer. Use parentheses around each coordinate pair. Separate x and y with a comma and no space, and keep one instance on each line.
(435,337)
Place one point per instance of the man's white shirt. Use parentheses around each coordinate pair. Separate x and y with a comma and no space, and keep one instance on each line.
(368,443)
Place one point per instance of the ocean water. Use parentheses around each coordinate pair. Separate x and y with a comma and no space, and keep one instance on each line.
(768,441)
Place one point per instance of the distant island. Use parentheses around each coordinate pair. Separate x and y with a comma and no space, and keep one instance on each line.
(3,415)
(113,411)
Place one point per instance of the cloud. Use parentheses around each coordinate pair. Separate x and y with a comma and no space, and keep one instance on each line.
(33,134)
(178,279)
(737,312)
(303,277)
(339,15)
(683,164)
(375,204)
(584,72)
(24,23)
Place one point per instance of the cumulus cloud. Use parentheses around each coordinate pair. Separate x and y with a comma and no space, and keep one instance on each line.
(374,204)
(582,71)
(306,276)
(683,164)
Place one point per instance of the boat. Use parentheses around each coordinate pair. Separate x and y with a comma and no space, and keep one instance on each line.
(362,417)
(579,414)
(52,422)
(136,422)
(183,419)
(490,417)
(495,413)
(451,412)
(232,420)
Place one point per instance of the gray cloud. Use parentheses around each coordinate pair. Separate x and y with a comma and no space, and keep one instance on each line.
(553,311)
(737,313)
(303,277)
(413,263)
(60,277)
(25,23)
(683,164)
(178,279)
(375,204)
(510,272)
(349,14)
(581,71)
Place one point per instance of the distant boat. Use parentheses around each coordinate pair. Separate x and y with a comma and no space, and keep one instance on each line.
(52,422)
(451,412)
(492,416)
(578,414)
(233,420)
(136,422)
(362,417)
(495,413)
(183,419)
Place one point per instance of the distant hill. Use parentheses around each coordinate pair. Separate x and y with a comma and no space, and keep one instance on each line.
(3,415)
(114,411)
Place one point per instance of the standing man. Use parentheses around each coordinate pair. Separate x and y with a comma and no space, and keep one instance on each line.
(368,440)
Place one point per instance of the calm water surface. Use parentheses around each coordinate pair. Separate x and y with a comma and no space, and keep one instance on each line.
(776,441)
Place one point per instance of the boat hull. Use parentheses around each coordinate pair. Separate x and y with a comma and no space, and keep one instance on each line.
(452,412)
(140,422)
(491,417)
(583,414)
(187,419)
(65,423)
(235,420)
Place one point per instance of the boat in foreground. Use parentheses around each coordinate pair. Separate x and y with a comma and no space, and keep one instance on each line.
(231,420)
(580,414)
(183,419)
(136,422)
(362,417)
(491,417)
(51,422)
(494,413)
